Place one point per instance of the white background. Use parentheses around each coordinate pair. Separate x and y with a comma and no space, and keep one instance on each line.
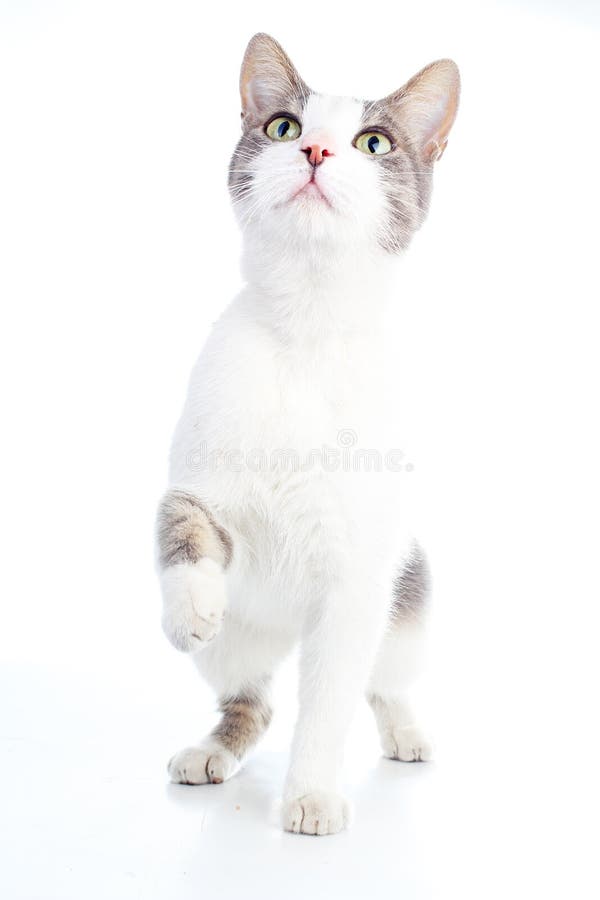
(118,249)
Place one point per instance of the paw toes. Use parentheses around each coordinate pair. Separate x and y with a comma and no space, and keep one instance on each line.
(322,827)
(215,770)
(408,744)
(194,604)
(198,765)
(319,813)
(187,767)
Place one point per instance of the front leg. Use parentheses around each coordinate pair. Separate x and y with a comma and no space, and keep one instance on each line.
(194,551)
(338,650)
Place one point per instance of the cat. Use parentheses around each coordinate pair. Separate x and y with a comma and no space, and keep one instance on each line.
(263,540)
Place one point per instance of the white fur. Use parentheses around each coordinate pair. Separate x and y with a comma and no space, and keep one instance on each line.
(194,603)
(209,763)
(294,361)
(320,812)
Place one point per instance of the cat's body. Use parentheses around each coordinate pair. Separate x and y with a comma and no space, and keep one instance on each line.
(274,530)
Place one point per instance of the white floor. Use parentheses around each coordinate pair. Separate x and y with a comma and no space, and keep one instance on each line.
(87,810)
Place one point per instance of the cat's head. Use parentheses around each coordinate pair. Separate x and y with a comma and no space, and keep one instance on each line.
(311,166)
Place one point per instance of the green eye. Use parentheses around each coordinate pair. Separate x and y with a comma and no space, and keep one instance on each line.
(283,129)
(374,143)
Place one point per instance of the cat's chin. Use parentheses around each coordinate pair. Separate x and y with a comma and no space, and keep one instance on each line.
(312,194)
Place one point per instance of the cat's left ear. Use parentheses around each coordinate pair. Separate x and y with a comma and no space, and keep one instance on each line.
(426,107)
(269,81)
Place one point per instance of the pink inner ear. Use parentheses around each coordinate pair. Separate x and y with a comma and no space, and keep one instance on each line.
(442,119)
(259,93)
(256,94)
(434,150)
(267,74)
(428,104)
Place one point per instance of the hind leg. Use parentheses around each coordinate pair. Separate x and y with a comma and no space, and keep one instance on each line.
(398,663)
(238,664)
(396,667)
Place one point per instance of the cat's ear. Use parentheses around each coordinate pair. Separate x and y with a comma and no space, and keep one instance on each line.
(269,81)
(426,107)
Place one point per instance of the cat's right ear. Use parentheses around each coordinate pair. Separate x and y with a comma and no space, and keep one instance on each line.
(269,81)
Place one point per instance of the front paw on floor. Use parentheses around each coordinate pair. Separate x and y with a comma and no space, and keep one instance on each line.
(407,744)
(202,765)
(320,812)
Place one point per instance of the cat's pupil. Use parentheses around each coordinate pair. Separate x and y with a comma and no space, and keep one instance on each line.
(283,128)
(373,144)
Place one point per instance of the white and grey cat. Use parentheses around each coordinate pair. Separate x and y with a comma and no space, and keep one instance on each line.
(264,541)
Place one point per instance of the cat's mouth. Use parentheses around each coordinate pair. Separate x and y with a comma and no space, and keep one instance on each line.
(311,189)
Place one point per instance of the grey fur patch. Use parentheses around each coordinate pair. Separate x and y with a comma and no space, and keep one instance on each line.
(267,65)
(411,587)
(254,140)
(187,532)
(405,178)
(249,146)
(287,93)
(245,718)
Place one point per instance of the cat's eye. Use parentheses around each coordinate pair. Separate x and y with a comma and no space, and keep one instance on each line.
(283,128)
(374,143)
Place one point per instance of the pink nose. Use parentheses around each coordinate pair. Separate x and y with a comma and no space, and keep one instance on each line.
(316,154)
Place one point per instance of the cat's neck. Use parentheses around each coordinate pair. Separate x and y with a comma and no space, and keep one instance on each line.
(314,293)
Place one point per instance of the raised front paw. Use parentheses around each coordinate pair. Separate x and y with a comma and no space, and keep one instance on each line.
(320,812)
(194,603)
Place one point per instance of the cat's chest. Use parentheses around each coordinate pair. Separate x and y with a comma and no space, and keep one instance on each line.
(270,412)
(315,399)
